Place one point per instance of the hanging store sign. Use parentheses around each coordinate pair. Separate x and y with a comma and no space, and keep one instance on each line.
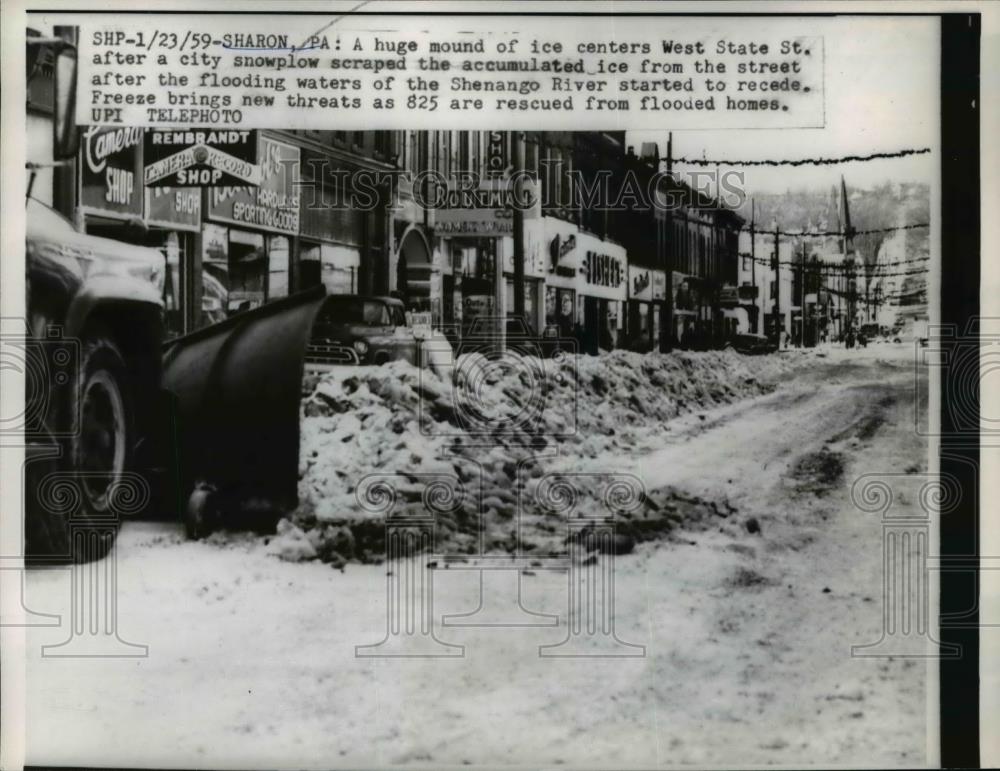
(602,270)
(558,249)
(496,153)
(473,222)
(200,158)
(640,283)
(729,297)
(274,204)
(659,285)
(178,208)
(111,171)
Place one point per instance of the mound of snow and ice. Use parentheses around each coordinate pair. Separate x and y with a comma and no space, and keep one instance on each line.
(497,428)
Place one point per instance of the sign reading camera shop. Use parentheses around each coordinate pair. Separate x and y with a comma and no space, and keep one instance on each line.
(111,171)
(200,157)
(274,204)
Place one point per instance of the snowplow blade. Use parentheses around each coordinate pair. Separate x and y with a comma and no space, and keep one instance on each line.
(235,390)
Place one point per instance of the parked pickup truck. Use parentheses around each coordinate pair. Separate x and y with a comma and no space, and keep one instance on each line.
(752,345)
(355,329)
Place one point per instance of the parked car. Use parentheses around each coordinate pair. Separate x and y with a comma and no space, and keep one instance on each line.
(370,330)
(752,345)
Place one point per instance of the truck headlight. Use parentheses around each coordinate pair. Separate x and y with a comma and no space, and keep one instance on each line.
(360,347)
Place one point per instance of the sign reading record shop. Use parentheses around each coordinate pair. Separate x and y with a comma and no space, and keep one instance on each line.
(274,204)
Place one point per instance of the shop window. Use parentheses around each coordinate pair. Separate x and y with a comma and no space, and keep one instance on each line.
(560,310)
(531,156)
(247,271)
(240,270)
(419,158)
(443,161)
(173,305)
(277,267)
(530,293)
(310,266)
(214,275)
(477,152)
(339,268)
(455,151)
(401,139)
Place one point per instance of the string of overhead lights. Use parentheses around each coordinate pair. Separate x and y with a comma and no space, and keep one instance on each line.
(833,233)
(804,161)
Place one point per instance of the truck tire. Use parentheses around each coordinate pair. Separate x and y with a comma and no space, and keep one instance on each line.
(102,409)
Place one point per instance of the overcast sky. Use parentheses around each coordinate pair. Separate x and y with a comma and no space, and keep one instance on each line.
(881,89)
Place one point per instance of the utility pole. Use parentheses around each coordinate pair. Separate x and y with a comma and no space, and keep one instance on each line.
(802,294)
(753,267)
(777,288)
(518,222)
(670,247)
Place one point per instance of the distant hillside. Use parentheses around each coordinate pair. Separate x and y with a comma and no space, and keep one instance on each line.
(886,205)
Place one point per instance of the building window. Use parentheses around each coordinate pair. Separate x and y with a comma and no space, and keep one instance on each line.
(277,267)
(531,156)
(241,270)
(463,151)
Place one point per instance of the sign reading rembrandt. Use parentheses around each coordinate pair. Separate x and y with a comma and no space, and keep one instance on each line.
(200,158)
(274,204)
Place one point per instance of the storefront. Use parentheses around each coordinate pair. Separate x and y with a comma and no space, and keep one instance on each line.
(418,278)
(247,240)
(114,203)
(534,279)
(561,283)
(646,292)
(111,188)
(173,216)
(472,245)
(331,231)
(586,277)
(735,317)
(688,327)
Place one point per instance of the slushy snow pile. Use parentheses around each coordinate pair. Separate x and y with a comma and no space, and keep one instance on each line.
(497,425)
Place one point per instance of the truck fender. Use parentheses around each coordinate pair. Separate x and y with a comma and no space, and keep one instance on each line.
(101,290)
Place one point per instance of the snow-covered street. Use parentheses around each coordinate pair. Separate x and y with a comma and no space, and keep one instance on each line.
(747,613)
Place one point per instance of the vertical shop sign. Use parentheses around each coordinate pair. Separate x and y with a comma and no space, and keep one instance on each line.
(111,171)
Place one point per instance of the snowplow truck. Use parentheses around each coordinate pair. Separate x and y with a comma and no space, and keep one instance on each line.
(121,422)
(89,347)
